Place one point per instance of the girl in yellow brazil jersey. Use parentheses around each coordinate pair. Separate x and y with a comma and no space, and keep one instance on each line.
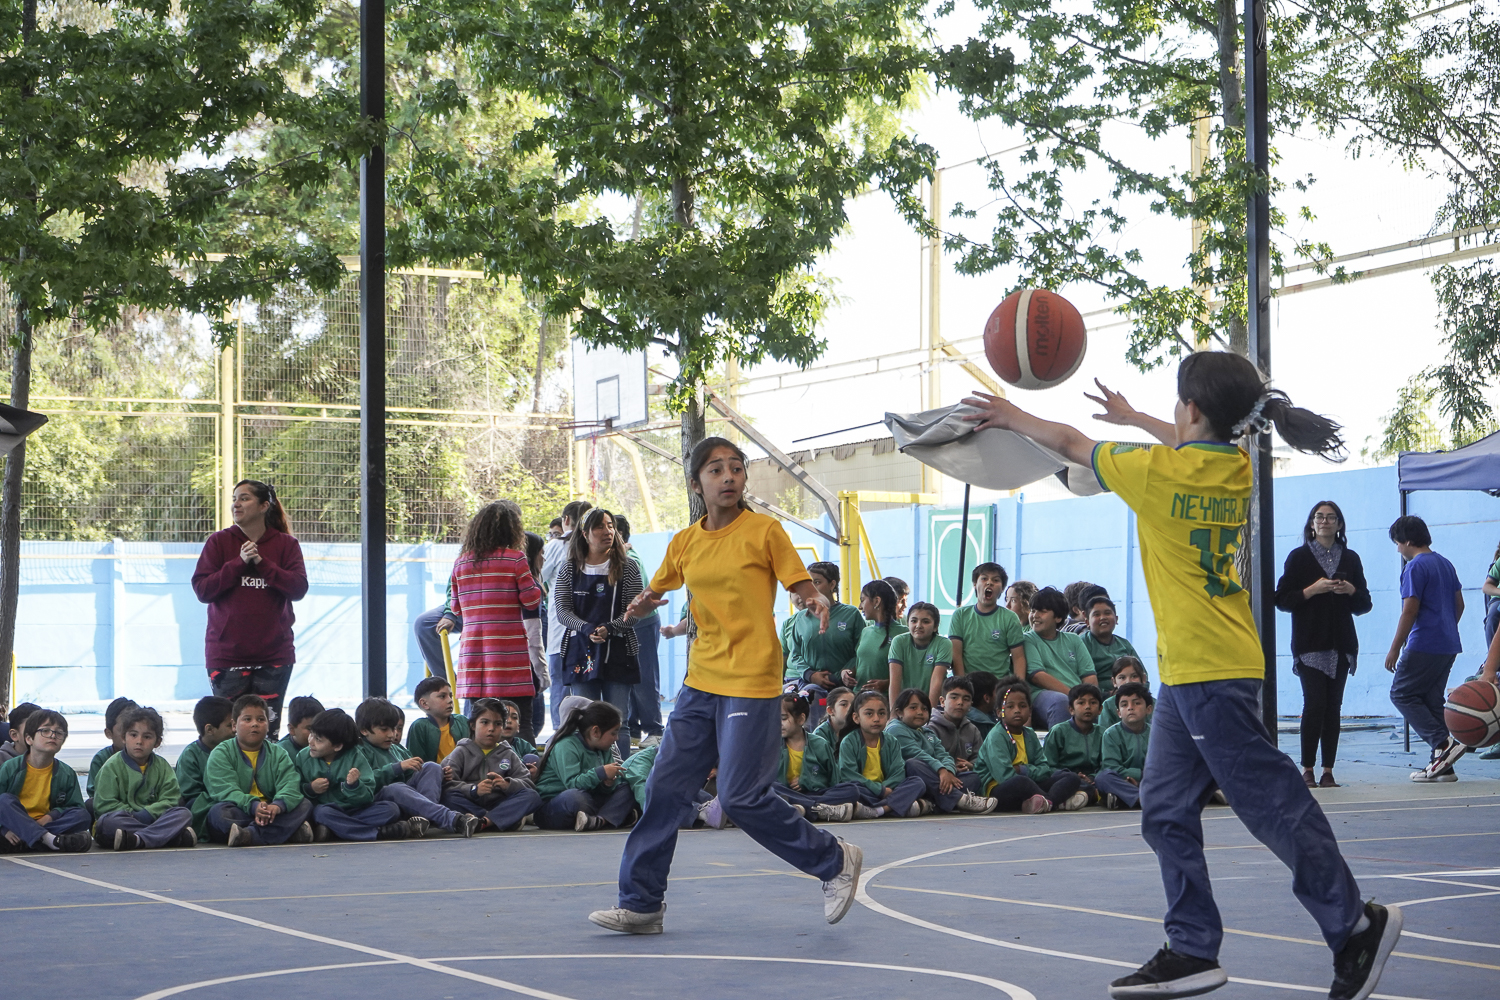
(728,712)
(1191,495)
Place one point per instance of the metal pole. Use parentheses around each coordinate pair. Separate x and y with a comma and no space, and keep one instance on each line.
(1262,583)
(372,348)
(963,550)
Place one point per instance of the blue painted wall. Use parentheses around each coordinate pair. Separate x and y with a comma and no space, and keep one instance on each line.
(104,619)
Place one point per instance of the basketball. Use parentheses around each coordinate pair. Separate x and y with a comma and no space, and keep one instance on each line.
(1471,714)
(1034,339)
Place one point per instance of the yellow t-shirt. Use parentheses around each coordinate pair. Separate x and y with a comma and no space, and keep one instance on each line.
(872,769)
(732,574)
(1019,742)
(253,755)
(794,764)
(445,740)
(1190,503)
(36,792)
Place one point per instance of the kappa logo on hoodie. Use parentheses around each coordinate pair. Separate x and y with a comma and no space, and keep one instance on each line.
(257,582)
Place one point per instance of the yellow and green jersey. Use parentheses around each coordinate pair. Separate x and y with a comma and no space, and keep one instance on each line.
(1190,504)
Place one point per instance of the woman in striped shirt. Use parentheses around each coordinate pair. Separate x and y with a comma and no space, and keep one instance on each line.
(494,592)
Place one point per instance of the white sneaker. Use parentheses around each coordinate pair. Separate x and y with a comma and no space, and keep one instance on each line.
(629,921)
(1445,756)
(1424,776)
(834,814)
(1036,804)
(862,811)
(650,741)
(971,803)
(838,893)
(713,814)
(1078,800)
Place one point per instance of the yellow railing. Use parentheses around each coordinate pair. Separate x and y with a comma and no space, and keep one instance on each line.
(854,539)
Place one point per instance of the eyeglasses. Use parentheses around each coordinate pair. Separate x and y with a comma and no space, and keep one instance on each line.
(53,734)
(1325,518)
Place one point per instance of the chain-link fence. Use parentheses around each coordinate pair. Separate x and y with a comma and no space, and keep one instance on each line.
(151,426)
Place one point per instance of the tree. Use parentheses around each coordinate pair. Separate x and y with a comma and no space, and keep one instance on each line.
(739,129)
(115,130)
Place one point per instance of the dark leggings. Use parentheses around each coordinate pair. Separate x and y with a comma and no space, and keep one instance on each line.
(1322,706)
(1058,787)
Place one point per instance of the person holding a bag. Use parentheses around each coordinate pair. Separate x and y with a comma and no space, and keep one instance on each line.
(597,582)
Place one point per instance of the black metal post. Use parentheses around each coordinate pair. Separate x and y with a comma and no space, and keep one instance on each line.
(963,550)
(1262,582)
(372,521)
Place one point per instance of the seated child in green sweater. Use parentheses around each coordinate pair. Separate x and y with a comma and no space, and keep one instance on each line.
(928,759)
(806,774)
(253,788)
(485,777)
(1124,748)
(872,760)
(1013,768)
(1126,670)
(705,811)
(578,779)
(1104,646)
(116,736)
(12,733)
(300,712)
(343,796)
(413,784)
(214,719)
(136,796)
(40,801)
(434,737)
(1075,745)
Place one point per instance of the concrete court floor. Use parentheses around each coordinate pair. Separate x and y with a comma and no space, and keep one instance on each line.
(1047,907)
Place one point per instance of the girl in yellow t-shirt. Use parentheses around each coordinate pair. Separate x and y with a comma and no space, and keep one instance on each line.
(1191,498)
(728,710)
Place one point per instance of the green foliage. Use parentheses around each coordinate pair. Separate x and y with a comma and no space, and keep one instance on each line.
(1410,426)
(743,128)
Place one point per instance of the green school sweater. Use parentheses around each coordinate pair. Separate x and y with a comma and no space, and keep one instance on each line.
(1064,657)
(852,763)
(872,654)
(522,747)
(983,721)
(424,734)
(1124,752)
(571,764)
(384,766)
(190,766)
(289,745)
(336,769)
(1104,657)
(227,776)
(918,662)
(833,650)
(791,665)
(997,757)
(124,787)
(1067,749)
(66,794)
(820,768)
(94,765)
(920,744)
(987,638)
(637,769)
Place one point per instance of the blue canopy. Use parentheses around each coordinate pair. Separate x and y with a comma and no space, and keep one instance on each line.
(1472,467)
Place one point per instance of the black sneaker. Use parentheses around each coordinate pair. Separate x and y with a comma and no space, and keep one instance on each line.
(74,843)
(393,831)
(1357,968)
(1170,974)
(187,838)
(126,841)
(465,825)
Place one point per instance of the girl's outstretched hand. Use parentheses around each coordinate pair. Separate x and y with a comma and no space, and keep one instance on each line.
(1117,409)
(645,602)
(993,411)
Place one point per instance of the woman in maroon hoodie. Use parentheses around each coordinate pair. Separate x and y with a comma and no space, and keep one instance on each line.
(249,574)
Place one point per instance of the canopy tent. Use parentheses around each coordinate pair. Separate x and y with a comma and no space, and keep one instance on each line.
(15,424)
(1472,467)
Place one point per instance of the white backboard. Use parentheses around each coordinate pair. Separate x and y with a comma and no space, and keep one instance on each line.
(608,385)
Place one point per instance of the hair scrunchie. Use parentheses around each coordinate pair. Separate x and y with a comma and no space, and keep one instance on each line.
(1256,421)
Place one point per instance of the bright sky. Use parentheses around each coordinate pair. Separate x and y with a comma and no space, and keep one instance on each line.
(1343,351)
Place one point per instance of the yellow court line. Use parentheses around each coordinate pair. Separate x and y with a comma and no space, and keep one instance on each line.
(392,892)
(1157,920)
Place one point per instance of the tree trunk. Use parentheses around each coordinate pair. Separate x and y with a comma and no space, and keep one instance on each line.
(694,420)
(10,504)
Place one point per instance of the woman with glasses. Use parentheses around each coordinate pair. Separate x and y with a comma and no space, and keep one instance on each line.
(1323,586)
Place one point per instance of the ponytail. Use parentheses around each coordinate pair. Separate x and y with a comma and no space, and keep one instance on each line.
(1231,394)
(581,720)
(266,493)
(886,595)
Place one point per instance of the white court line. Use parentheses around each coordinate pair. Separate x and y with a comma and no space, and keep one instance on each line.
(1009,989)
(1441,899)
(1472,873)
(1430,937)
(304,935)
(863,897)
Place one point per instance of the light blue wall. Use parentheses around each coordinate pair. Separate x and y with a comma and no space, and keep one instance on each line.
(103,619)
